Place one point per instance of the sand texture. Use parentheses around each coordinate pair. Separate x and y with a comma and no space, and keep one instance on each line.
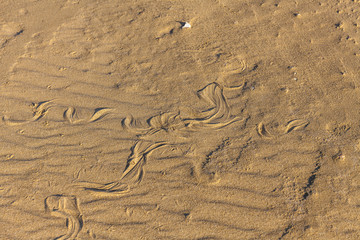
(186,120)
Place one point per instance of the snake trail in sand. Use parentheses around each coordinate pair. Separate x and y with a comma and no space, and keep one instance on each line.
(40,110)
(134,171)
(66,207)
(70,115)
(217,116)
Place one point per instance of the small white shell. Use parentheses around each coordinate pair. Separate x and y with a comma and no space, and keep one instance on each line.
(186,25)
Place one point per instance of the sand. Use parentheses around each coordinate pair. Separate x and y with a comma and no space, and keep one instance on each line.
(169,119)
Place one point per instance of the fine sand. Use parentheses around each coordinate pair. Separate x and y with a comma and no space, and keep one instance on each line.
(179,119)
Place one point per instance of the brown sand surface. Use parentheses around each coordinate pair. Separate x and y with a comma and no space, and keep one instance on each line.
(120,122)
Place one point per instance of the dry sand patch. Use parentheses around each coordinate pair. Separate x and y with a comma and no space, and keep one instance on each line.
(120,123)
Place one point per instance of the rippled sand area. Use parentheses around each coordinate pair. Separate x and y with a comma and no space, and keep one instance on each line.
(187,120)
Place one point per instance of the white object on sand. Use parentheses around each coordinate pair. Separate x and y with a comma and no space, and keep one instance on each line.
(186,25)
